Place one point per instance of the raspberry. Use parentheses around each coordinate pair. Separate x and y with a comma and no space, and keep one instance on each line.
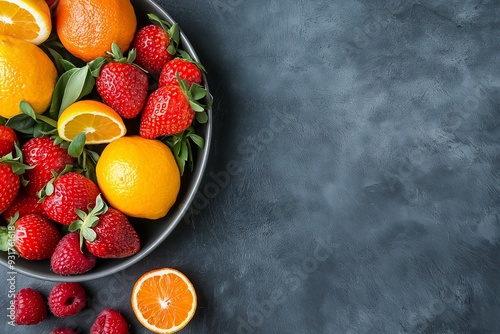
(67,299)
(29,307)
(64,330)
(109,321)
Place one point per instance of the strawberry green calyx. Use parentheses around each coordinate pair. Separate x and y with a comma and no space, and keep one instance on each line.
(7,235)
(88,220)
(172,31)
(18,167)
(180,144)
(185,56)
(194,94)
(48,189)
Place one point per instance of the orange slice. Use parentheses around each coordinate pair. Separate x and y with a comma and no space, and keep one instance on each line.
(25,19)
(100,122)
(164,300)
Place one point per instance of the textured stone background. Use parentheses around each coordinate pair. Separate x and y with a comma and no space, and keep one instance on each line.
(353,183)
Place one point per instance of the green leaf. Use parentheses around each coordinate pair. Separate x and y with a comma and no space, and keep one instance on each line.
(66,64)
(196,106)
(74,87)
(156,20)
(49,188)
(96,65)
(4,239)
(89,234)
(58,94)
(21,123)
(56,56)
(201,117)
(184,151)
(76,146)
(198,140)
(3,120)
(197,92)
(27,109)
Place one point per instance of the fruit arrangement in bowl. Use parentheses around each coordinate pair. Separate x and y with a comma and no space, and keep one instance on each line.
(105,126)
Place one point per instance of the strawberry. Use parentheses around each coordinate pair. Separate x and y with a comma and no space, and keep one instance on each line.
(107,232)
(8,138)
(156,44)
(70,191)
(171,109)
(109,321)
(187,70)
(45,156)
(66,299)
(69,259)
(122,85)
(35,237)
(10,183)
(29,307)
(24,204)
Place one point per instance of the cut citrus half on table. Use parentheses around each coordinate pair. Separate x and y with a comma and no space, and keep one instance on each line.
(25,19)
(164,300)
(100,123)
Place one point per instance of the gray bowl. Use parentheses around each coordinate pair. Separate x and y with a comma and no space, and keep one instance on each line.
(151,233)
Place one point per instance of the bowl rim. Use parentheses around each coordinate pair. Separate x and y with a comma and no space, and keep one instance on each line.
(184,203)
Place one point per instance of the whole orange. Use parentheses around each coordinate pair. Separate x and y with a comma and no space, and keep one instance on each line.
(87,28)
(26,73)
(138,176)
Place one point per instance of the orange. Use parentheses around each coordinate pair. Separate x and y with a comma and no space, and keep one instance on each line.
(26,73)
(87,28)
(164,300)
(25,19)
(139,176)
(100,122)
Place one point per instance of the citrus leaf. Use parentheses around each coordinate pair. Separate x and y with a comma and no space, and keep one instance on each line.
(76,85)
(96,65)
(66,64)
(27,109)
(76,146)
(58,94)
(21,123)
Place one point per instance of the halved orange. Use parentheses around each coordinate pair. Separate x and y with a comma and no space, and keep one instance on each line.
(100,122)
(164,300)
(25,19)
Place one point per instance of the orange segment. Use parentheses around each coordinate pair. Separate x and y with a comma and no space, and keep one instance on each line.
(164,300)
(100,123)
(28,20)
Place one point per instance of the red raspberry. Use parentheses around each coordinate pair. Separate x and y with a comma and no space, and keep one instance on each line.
(109,321)
(67,299)
(63,331)
(29,307)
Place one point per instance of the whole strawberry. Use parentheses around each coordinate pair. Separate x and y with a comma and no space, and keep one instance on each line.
(156,44)
(107,232)
(8,138)
(69,259)
(70,191)
(29,307)
(109,321)
(67,299)
(24,204)
(187,70)
(35,237)
(45,156)
(122,85)
(171,109)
